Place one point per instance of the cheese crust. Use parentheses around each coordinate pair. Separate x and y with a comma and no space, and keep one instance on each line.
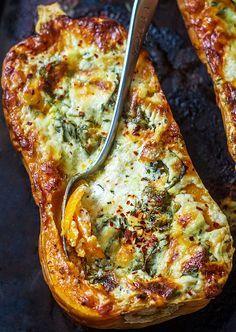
(145,241)
(212,29)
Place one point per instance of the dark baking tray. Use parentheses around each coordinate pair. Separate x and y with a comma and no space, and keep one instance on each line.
(25,301)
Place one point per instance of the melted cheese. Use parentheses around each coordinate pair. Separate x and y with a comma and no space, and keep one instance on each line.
(230,62)
(83,101)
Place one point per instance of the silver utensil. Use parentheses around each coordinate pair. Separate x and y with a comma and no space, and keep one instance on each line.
(142,13)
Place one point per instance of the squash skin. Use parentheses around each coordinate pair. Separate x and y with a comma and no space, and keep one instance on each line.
(211,37)
(48,182)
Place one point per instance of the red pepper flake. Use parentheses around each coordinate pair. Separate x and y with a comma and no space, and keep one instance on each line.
(184,220)
(29,123)
(104,309)
(122,215)
(111,223)
(200,209)
(197,261)
(62,270)
(216,225)
(48,67)
(136,284)
(136,153)
(144,249)
(82,114)
(128,202)
(135,131)
(128,235)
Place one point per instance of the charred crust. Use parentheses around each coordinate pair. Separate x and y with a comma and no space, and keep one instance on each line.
(211,36)
(196,262)
(230,92)
(161,287)
(195,6)
(109,282)
(103,31)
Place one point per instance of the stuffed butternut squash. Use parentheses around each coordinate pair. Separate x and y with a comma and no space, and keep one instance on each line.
(212,29)
(145,242)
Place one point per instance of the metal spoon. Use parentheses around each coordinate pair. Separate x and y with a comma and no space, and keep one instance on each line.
(142,13)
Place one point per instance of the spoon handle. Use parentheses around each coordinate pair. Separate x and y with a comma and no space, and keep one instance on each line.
(142,13)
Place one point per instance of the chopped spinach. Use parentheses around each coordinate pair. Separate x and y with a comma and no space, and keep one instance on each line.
(167,167)
(157,169)
(138,263)
(221,13)
(139,118)
(193,271)
(69,131)
(113,229)
(87,135)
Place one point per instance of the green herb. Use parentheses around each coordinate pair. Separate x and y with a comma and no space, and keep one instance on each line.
(89,136)
(138,263)
(193,271)
(101,186)
(112,228)
(218,81)
(139,118)
(69,131)
(156,169)
(151,263)
(221,13)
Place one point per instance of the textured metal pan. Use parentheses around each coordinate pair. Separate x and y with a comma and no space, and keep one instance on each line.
(25,301)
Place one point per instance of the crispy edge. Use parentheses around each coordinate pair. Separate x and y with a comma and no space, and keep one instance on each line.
(209,43)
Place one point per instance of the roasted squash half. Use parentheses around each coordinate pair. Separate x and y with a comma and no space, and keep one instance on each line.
(145,242)
(212,29)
